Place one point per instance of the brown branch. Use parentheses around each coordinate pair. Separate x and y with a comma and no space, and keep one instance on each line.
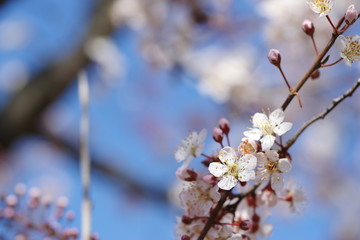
(121,179)
(214,213)
(21,115)
(317,64)
(335,102)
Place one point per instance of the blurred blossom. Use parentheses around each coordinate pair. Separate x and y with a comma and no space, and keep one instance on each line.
(14,34)
(107,55)
(14,74)
(219,71)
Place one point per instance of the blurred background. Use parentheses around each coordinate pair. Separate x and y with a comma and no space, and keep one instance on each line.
(158,68)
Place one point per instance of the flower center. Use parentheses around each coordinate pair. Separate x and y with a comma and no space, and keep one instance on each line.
(271,166)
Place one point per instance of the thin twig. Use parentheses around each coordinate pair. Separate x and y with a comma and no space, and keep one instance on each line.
(307,75)
(336,101)
(214,213)
(85,165)
(332,64)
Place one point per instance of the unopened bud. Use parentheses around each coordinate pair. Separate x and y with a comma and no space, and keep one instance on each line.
(315,74)
(245,225)
(351,14)
(274,57)
(186,220)
(256,218)
(308,27)
(209,179)
(186,174)
(185,237)
(218,135)
(224,125)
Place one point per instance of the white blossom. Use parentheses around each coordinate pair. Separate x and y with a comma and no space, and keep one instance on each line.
(260,228)
(267,198)
(271,167)
(321,7)
(191,147)
(233,168)
(295,196)
(266,128)
(350,49)
(198,197)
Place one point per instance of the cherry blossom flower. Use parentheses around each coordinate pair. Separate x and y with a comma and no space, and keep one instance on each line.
(258,227)
(198,197)
(267,198)
(191,147)
(295,196)
(266,128)
(271,167)
(233,168)
(321,7)
(247,146)
(350,49)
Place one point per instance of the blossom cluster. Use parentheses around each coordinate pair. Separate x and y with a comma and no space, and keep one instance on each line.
(30,214)
(234,198)
(255,167)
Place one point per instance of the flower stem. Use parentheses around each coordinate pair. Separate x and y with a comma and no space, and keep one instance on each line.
(315,47)
(332,64)
(331,23)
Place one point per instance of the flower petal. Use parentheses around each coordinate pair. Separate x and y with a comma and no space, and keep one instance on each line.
(248,161)
(267,142)
(283,128)
(259,120)
(253,133)
(181,154)
(284,165)
(266,230)
(246,175)
(228,155)
(227,182)
(277,117)
(272,155)
(277,181)
(202,135)
(217,169)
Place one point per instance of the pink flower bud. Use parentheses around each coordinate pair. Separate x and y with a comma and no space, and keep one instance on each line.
(315,74)
(209,179)
(186,174)
(218,135)
(351,14)
(224,125)
(186,220)
(274,57)
(185,237)
(246,225)
(308,27)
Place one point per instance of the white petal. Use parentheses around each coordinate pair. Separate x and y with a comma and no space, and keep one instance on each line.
(246,175)
(199,150)
(227,182)
(283,128)
(259,120)
(261,158)
(284,165)
(181,154)
(202,135)
(217,169)
(248,161)
(253,133)
(277,117)
(266,229)
(267,142)
(272,155)
(228,155)
(277,181)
